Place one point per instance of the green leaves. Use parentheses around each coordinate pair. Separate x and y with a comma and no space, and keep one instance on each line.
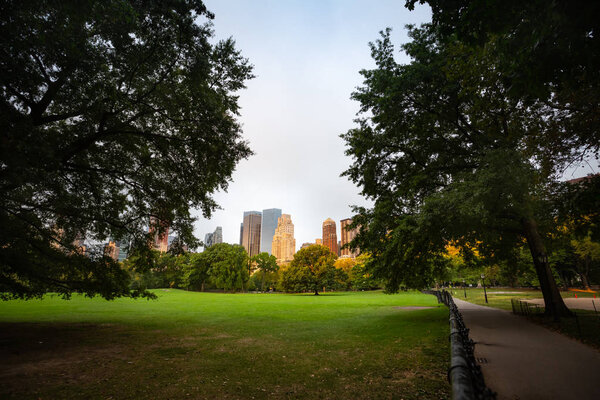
(447,155)
(227,266)
(311,269)
(114,112)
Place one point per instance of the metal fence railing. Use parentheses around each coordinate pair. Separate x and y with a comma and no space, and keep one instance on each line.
(464,373)
(520,307)
(581,325)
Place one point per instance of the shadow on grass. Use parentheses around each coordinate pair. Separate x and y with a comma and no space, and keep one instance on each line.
(21,340)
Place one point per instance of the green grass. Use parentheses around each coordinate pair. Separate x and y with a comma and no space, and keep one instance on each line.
(206,345)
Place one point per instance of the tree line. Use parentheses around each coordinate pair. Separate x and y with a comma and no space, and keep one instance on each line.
(227,267)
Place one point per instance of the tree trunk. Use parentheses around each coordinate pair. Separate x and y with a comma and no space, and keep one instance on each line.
(555,306)
(585,282)
(262,284)
(585,273)
(316,292)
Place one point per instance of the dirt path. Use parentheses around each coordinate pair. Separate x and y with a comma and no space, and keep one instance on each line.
(583,303)
(521,360)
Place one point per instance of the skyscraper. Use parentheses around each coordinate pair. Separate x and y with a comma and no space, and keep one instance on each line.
(213,238)
(208,240)
(241,232)
(330,236)
(111,250)
(123,246)
(346,237)
(161,240)
(284,244)
(218,235)
(251,232)
(269,222)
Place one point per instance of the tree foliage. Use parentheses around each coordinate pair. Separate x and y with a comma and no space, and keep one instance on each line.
(197,271)
(113,113)
(443,149)
(266,264)
(546,52)
(311,269)
(228,266)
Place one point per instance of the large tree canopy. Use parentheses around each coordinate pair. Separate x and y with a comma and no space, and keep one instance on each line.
(546,51)
(228,266)
(443,149)
(114,114)
(311,269)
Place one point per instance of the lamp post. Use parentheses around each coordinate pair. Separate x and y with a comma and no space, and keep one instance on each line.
(483,283)
(465,288)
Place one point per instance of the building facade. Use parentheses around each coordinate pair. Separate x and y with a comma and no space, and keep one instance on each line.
(330,235)
(161,239)
(208,240)
(284,244)
(111,250)
(251,232)
(346,236)
(218,235)
(213,238)
(269,222)
(123,246)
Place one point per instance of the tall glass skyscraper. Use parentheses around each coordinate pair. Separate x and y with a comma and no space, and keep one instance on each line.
(251,232)
(268,226)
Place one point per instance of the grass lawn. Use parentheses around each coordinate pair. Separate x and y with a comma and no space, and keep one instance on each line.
(208,345)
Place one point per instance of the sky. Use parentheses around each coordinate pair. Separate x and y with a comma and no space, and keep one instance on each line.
(307,56)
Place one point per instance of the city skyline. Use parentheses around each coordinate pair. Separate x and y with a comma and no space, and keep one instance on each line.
(257,222)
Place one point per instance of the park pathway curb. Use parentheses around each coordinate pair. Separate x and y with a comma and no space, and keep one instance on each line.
(522,360)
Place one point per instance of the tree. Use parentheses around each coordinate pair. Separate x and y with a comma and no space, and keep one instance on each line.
(443,151)
(197,271)
(170,269)
(361,279)
(311,269)
(114,114)
(228,266)
(345,264)
(546,52)
(588,254)
(266,264)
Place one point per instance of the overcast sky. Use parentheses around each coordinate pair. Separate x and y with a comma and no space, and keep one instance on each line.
(307,55)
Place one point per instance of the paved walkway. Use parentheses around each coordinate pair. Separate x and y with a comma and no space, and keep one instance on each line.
(525,361)
(581,303)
